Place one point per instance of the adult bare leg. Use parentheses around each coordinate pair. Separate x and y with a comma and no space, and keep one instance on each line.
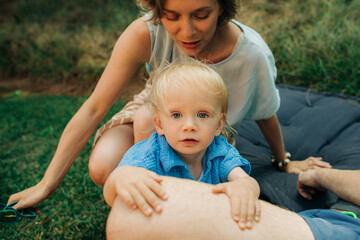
(194,212)
(143,124)
(108,152)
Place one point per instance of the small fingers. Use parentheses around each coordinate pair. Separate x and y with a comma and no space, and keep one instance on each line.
(156,177)
(257,211)
(126,197)
(150,197)
(250,213)
(219,188)
(235,208)
(141,202)
(157,189)
(243,215)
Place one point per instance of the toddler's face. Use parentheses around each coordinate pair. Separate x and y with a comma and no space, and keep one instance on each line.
(191,121)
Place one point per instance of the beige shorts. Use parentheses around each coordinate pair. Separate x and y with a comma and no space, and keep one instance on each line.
(127,113)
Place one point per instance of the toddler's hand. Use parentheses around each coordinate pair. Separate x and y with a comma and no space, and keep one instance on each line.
(140,188)
(245,206)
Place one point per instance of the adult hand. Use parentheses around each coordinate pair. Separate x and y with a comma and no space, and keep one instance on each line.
(309,163)
(307,184)
(140,188)
(28,198)
(245,205)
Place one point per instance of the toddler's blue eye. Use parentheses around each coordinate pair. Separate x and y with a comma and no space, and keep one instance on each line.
(176,115)
(203,115)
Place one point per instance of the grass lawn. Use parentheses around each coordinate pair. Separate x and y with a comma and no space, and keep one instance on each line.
(30,129)
(315,44)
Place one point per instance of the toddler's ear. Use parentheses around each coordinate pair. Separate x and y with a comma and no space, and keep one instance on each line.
(158,126)
(220,125)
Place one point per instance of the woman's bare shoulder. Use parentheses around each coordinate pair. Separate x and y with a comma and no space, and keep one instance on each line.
(135,38)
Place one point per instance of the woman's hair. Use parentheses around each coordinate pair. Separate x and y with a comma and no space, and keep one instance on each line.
(229,7)
(192,75)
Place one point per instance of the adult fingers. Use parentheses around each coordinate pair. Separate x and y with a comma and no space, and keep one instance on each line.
(305,194)
(13,198)
(321,164)
(24,201)
(36,210)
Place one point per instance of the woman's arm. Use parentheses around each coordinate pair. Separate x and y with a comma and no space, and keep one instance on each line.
(132,48)
(270,128)
(272,133)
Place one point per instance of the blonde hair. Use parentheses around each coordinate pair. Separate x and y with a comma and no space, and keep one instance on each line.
(230,8)
(192,75)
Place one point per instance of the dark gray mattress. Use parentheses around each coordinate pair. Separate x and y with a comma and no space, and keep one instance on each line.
(313,124)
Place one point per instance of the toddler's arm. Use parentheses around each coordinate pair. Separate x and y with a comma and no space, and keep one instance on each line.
(137,188)
(243,192)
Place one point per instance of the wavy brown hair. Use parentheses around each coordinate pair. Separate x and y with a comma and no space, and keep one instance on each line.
(229,7)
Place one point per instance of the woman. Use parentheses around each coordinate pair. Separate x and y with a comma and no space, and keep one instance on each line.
(174,30)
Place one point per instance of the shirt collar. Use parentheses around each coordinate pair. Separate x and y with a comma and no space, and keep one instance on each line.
(217,148)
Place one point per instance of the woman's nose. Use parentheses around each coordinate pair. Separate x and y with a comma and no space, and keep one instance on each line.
(188,29)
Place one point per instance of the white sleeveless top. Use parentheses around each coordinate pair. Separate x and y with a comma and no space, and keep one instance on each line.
(249,73)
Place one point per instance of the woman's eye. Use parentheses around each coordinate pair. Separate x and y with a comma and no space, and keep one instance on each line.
(176,115)
(202,15)
(203,115)
(171,16)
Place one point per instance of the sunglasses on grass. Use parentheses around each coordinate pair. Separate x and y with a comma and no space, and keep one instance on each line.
(9,215)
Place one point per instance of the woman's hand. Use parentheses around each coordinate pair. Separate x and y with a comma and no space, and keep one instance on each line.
(309,163)
(243,194)
(28,198)
(139,188)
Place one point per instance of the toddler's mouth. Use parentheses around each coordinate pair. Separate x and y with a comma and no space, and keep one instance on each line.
(189,140)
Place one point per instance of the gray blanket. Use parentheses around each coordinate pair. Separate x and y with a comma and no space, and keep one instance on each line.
(312,124)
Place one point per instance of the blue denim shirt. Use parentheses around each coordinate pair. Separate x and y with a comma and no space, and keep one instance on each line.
(156,154)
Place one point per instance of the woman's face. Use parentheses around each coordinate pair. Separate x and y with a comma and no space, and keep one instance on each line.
(192,24)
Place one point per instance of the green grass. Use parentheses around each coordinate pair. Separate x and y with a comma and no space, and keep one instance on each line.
(315,43)
(61,40)
(30,128)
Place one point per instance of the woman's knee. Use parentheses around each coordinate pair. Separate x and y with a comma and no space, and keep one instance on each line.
(143,124)
(108,152)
